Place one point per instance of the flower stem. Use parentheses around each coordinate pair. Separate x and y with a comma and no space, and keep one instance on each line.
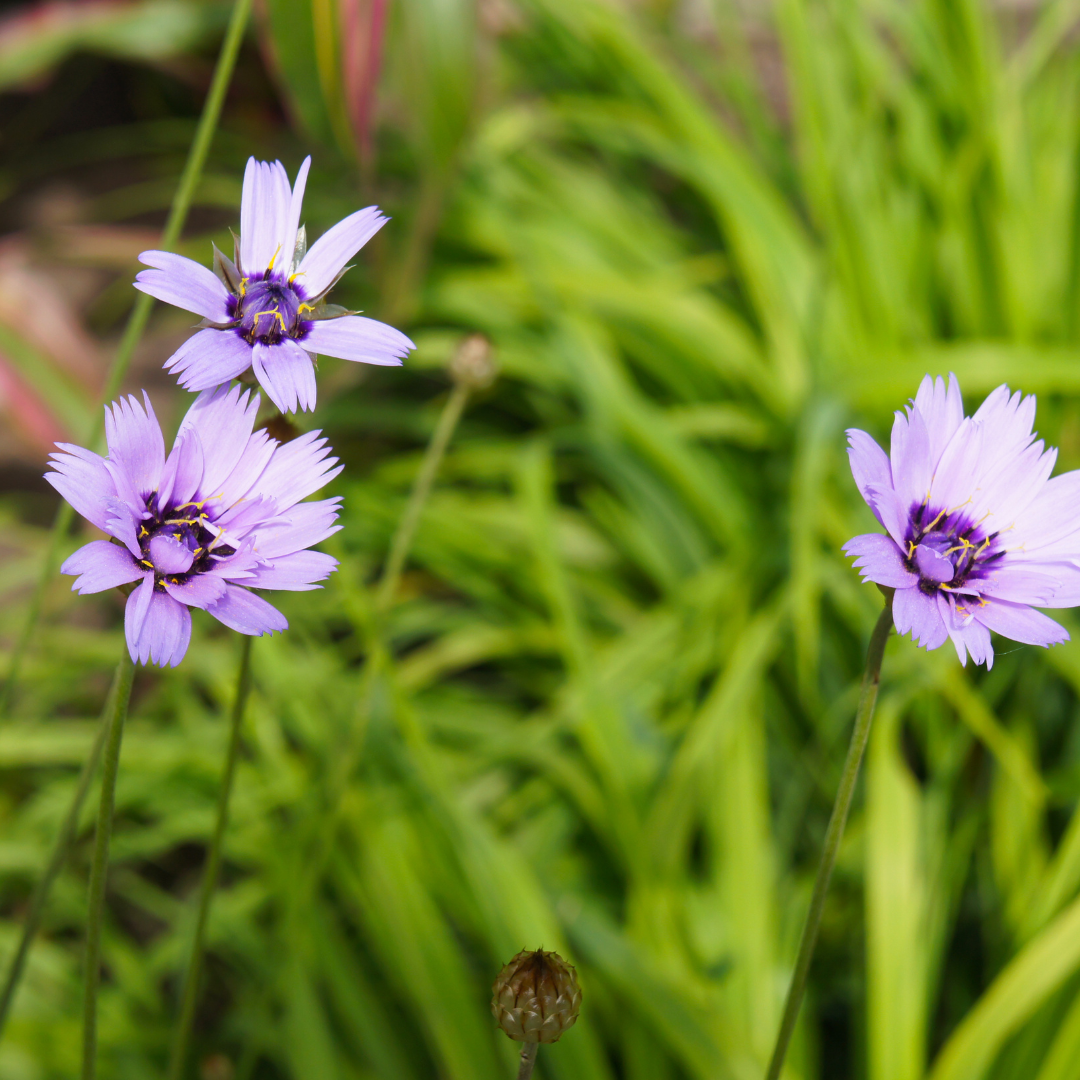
(864,714)
(399,546)
(100,864)
(178,1056)
(56,861)
(137,320)
(528,1060)
(347,759)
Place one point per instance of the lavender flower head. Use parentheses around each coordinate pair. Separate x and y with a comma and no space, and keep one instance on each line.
(219,516)
(978,532)
(267,310)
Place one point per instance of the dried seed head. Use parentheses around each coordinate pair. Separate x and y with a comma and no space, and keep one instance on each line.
(536,997)
(473,365)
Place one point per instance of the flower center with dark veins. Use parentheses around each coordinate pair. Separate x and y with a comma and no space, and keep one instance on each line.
(948,550)
(269,309)
(177,544)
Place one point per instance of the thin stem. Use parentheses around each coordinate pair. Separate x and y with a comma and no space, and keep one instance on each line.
(834,834)
(100,864)
(178,1056)
(399,546)
(137,320)
(61,847)
(528,1060)
(345,762)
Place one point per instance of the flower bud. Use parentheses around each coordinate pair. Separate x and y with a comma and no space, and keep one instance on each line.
(473,365)
(536,997)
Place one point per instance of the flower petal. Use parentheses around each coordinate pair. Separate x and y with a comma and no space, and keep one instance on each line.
(183,283)
(297,469)
(1019,584)
(183,470)
(138,604)
(942,410)
(917,614)
(327,257)
(286,373)
(264,210)
(967,634)
(209,359)
(82,478)
(223,419)
(247,613)
(299,527)
(933,565)
(294,573)
(197,590)
(878,559)
(1020,623)
(102,565)
(163,634)
(352,337)
(912,468)
(292,221)
(136,448)
(169,555)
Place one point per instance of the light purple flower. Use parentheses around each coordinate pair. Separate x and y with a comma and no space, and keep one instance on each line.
(219,516)
(267,310)
(978,533)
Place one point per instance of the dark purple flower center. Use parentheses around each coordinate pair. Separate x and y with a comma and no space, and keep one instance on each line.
(947,549)
(268,309)
(176,543)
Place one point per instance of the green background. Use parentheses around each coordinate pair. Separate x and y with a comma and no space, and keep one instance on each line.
(703,238)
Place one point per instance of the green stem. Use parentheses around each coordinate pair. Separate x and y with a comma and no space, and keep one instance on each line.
(137,320)
(178,1057)
(60,850)
(346,760)
(403,537)
(100,865)
(528,1060)
(833,835)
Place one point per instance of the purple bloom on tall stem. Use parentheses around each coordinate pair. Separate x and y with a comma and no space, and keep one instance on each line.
(218,517)
(267,310)
(978,533)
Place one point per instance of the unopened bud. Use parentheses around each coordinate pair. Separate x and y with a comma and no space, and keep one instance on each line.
(472,364)
(536,997)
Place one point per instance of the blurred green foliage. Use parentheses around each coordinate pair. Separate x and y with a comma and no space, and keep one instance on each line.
(702,240)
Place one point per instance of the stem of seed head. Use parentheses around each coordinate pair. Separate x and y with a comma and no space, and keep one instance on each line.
(528,1060)
(399,546)
(178,1056)
(100,864)
(864,714)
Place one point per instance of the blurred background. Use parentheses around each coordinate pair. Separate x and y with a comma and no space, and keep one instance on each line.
(702,237)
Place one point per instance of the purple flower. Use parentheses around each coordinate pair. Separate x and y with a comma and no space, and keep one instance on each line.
(267,311)
(977,530)
(219,516)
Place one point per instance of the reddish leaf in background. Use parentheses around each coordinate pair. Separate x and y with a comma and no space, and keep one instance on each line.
(33,303)
(37,426)
(363,27)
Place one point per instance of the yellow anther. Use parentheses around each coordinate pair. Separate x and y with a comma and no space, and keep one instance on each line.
(277,315)
(927,528)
